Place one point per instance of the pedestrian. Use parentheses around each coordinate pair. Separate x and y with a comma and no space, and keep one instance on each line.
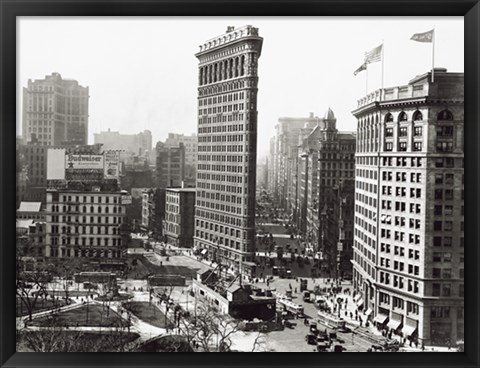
(295,290)
(423,347)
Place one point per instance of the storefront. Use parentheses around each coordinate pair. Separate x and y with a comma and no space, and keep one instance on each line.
(395,322)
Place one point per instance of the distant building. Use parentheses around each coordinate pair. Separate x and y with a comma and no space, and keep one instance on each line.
(153,212)
(284,160)
(178,226)
(262,174)
(190,142)
(170,165)
(326,173)
(408,261)
(31,211)
(86,209)
(137,144)
(31,235)
(55,111)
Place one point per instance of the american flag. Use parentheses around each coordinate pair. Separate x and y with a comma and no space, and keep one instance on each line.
(374,55)
(371,56)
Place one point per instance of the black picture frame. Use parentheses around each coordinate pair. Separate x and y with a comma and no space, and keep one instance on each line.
(10,9)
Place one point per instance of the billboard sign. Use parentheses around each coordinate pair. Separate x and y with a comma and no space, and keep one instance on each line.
(56,164)
(112,164)
(84,162)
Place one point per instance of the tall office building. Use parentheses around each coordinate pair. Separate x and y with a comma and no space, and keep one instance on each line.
(325,193)
(170,165)
(55,111)
(227,148)
(408,239)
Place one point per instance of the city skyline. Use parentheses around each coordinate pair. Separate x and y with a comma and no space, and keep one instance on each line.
(164,94)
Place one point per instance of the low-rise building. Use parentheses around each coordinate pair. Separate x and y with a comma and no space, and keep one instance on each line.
(178,226)
(244,302)
(30,211)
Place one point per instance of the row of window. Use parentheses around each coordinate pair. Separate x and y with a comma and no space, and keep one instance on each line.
(85,209)
(402,146)
(221,99)
(228,87)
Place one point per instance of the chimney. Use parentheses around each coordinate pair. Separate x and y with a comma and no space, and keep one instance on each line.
(230,29)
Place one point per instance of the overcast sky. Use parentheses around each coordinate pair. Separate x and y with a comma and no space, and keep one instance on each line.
(142,72)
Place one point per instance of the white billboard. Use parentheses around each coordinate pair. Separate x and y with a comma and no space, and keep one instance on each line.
(84,162)
(56,164)
(112,164)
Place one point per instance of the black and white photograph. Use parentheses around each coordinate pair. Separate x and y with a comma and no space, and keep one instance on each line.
(240,184)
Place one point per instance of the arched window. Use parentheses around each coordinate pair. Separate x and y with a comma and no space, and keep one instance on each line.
(445,115)
(91,209)
(242,65)
(230,68)
(388,117)
(402,116)
(417,116)
(99,209)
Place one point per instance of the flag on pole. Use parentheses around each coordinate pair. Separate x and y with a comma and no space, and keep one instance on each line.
(360,68)
(423,37)
(374,55)
(371,56)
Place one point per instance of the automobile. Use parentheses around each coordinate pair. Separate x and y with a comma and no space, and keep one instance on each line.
(338,349)
(306,296)
(311,338)
(322,346)
(313,328)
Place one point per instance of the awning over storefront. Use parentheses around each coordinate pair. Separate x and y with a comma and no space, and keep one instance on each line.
(368,312)
(394,324)
(359,302)
(408,330)
(380,318)
(204,251)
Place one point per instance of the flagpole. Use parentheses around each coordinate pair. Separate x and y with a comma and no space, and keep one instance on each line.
(433,54)
(366,79)
(383,57)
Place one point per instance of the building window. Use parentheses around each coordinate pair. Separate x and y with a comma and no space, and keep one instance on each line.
(402,146)
(402,132)
(388,118)
(388,132)
(388,146)
(445,115)
(444,146)
(402,116)
(417,115)
(417,146)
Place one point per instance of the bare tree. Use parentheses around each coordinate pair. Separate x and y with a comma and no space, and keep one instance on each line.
(209,330)
(32,284)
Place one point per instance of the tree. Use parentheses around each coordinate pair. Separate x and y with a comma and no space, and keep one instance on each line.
(31,282)
(209,330)
(57,338)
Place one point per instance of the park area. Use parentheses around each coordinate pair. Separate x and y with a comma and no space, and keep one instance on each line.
(139,267)
(37,306)
(148,313)
(86,315)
